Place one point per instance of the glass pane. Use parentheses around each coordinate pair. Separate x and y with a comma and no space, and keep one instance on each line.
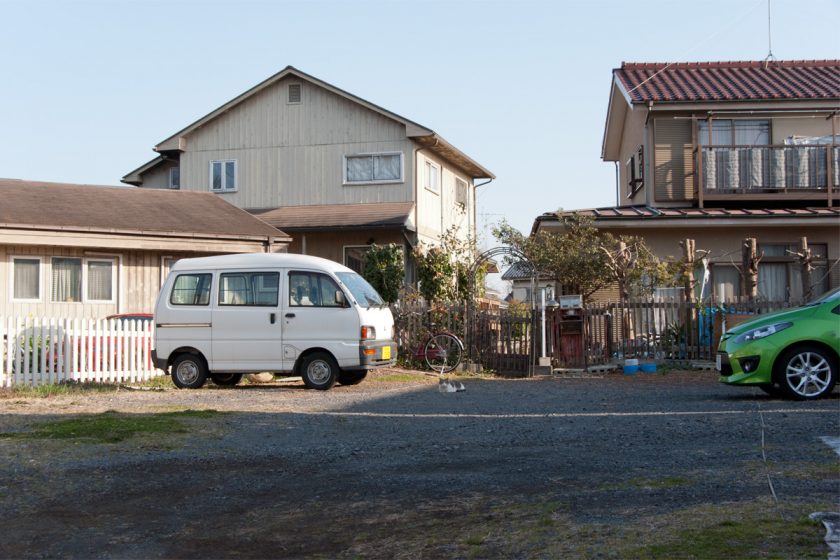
(721,133)
(327,290)
(217,176)
(175,178)
(233,290)
(387,168)
(359,168)
(191,289)
(66,279)
(300,284)
(230,175)
(752,133)
(26,278)
(266,286)
(727,282)
(100,280)
(772,281)
(354,258)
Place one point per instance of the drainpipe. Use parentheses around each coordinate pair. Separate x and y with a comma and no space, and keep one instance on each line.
(617,187)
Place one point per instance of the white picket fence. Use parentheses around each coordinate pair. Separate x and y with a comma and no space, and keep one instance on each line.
(40,350)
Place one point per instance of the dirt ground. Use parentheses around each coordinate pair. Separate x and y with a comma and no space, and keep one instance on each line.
(606,466)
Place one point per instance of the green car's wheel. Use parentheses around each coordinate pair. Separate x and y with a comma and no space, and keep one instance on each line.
(806,372)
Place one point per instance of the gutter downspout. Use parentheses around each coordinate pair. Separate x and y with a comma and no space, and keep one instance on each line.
(617,187)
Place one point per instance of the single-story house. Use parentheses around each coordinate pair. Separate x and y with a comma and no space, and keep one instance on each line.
(84,251)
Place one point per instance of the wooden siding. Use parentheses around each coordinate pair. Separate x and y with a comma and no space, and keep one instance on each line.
(293,154)
(138,282)
(158,177)
(673,160)
(330,245)
(437,212)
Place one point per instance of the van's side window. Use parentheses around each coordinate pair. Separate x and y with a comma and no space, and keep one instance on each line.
(312,289)
(255,289)
(191,289)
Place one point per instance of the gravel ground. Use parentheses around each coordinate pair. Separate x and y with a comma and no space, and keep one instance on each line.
(542,467)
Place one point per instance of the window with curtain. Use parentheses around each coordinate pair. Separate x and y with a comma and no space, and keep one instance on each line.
(373,168)
(223,175)
(26,279)
(100,280)
(726,282)
(254,289)
(66,279)
(773,281)
(726,132)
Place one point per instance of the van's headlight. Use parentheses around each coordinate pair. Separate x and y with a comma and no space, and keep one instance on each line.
(368,333)
(762,332)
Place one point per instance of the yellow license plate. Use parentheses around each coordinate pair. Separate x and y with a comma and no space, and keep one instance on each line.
(386,352)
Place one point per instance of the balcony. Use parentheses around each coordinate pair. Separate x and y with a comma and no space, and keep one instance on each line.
(794,172)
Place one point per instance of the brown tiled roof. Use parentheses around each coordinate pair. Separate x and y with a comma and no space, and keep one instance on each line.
(338,216)
(731,81)
(124,209)
(648,213)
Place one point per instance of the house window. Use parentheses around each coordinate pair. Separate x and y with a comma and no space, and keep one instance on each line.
(66,279)
(294,94)
(100,280)
(461,193)
(728,132)
(726,282)
(373,168)
(223,175)
(355,257)
(780,272)
(191,289)
(635,168)
(253,289)
(311,289)
(26,279)
(174,177)
(432,177)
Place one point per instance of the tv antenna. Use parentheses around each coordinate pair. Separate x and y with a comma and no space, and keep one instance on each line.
(769,58)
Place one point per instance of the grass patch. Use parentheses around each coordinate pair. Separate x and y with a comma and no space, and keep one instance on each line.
(397,377)
(112,427)
(769,537)
(56,389)
(659,483)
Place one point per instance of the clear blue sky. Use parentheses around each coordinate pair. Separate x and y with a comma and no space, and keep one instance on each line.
(521,86)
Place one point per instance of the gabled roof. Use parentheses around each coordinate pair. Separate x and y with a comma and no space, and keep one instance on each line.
(730,81)
(126,210)
(670,216)
(339,216)
(412,129)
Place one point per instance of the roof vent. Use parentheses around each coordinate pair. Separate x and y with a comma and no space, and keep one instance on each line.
(294,93)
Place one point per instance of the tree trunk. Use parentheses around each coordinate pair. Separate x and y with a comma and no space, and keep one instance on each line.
(749,270)
(805,261)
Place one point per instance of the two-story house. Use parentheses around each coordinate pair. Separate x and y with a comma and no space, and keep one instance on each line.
(336,172)
(722,151)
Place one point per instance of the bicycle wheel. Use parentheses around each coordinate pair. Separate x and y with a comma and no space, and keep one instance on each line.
(443,352)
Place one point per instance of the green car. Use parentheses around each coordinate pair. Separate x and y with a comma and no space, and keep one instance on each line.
(792,353)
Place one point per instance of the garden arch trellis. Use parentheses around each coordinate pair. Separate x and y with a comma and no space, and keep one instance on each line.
(481,259)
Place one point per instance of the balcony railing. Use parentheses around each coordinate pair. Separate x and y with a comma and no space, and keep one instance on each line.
(769,169)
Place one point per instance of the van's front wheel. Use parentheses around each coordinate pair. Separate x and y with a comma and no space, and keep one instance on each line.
(319,371)
(189,371)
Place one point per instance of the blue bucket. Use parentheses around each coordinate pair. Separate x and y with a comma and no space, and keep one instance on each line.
(630,370)
(648,368)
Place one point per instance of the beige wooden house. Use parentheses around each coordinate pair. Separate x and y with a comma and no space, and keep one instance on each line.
(335,171)
(82,251)
(721,151)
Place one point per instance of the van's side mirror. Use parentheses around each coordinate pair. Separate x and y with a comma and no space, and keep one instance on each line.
(340,299)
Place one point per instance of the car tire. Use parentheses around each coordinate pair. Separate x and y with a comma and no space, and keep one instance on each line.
(319,371)
(189,371)
(351,377)
(806,372)
(226,379)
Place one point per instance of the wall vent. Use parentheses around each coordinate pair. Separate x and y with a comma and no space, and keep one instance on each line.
(294,93)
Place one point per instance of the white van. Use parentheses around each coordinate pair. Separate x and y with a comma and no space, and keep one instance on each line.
(221,317)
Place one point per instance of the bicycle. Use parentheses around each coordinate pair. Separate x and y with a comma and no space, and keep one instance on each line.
(442,352)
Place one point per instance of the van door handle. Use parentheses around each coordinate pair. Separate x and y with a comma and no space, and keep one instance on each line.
(290,315)
(272,317)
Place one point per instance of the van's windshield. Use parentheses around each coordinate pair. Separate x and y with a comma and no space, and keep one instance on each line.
(364,293)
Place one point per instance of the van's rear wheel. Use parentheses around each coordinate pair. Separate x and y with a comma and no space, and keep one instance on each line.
(189,371)
(226,379)
(319,371)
